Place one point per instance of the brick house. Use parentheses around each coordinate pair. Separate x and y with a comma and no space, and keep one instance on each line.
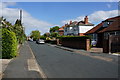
(102,32)
(61,31)
(78,28)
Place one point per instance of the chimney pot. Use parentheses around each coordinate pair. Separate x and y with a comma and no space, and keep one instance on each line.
(86,19)
(70,22)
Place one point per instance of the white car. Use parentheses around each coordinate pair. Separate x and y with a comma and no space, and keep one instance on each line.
(40,41)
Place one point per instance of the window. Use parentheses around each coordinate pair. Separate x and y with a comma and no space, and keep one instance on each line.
(117,32)
(65,29)
(70,28)
(105,24)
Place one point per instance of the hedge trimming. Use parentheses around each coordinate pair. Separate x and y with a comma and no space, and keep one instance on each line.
(9,44)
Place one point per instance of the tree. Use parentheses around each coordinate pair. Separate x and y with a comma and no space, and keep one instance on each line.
(54,29)
(9,44)
(54,34)
(46,34)
(35,35)
(17,28)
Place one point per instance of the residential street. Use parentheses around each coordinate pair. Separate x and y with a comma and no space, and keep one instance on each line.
(58,63)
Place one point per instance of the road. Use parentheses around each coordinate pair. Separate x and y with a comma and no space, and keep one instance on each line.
(23,67)
(58,63)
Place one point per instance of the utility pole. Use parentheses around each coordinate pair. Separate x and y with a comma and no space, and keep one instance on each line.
(21,16)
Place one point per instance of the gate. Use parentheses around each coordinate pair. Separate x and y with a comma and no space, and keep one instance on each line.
(114,43)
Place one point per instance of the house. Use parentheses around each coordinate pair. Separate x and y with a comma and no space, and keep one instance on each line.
(78,28)
(102,32)
(61,31)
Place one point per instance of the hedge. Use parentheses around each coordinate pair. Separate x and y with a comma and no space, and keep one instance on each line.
(69,38)
(0,43)
(9,44)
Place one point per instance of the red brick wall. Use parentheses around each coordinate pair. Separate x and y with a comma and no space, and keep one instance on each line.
(78,44)
(81,34)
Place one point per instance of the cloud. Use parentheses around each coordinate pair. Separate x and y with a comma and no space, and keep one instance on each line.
(95,17)
(30,23)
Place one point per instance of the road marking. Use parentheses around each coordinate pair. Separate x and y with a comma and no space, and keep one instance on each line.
(38,68)
(32,65)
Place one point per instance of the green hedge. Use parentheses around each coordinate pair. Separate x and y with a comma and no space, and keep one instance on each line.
(0,43)
(9,44)
(69,38)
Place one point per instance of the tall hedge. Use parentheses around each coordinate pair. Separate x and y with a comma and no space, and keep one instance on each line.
(9,44)
(0,43)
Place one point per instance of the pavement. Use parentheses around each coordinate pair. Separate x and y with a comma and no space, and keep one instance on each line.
(57,62)
(23,66)
(4,63)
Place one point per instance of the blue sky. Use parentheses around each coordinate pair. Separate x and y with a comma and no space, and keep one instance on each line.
(55,12)
(58,13)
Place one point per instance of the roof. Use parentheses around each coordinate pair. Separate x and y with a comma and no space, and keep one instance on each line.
(113,18)
(61,28)
(94,29)
(82,23)
(115,26)
(112,27)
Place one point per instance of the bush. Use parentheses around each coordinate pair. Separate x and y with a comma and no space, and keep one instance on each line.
(9,44)
(0,43)
(72,38)
(43,37)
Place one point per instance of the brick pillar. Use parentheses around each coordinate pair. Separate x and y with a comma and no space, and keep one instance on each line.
(87,44)
(58,42)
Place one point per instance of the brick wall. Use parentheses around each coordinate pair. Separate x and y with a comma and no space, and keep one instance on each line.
(76,43)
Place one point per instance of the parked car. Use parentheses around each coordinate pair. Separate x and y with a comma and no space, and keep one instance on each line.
(40,41)
(30,39)
(94,42)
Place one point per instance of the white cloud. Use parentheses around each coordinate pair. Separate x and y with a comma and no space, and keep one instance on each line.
(30,23)
(97,16)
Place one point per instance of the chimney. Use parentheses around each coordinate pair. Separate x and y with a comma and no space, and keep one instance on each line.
(86,19)
(70,22)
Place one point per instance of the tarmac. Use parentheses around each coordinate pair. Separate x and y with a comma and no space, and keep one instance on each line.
(94,54)
(22,67)
(26,63)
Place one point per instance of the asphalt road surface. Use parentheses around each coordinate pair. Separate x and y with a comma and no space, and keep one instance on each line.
(58,63)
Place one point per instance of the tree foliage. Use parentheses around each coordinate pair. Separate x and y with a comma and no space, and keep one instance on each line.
(17,28)
(12,35)
(35,34)
(54,34)
(54,29)
(47,35)
(9,44)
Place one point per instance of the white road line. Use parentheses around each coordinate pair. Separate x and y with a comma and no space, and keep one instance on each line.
(42,74)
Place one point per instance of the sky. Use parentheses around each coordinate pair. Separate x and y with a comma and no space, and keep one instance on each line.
(43,15)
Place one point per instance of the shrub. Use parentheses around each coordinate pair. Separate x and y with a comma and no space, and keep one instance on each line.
(9,44)
(69,38)
(43,37)
(0,43)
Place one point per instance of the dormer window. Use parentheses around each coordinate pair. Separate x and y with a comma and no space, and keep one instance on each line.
(108,23)
(105,24)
